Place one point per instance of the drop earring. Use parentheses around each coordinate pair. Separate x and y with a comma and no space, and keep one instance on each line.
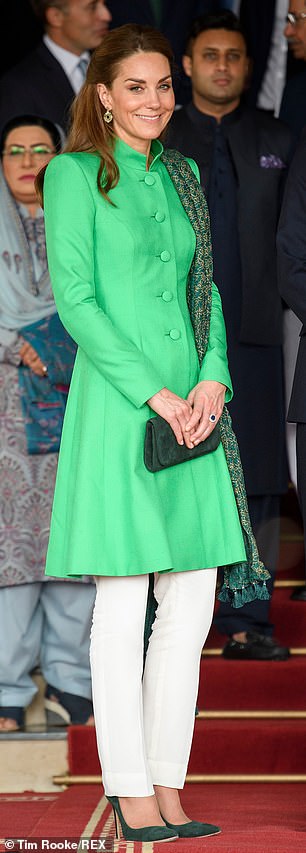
(108,116)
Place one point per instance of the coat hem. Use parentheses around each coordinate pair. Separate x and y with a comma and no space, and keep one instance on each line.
(75,575)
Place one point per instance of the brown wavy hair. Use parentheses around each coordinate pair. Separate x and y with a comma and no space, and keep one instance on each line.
(89,132)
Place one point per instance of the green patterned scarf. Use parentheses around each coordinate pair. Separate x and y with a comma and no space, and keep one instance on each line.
(243,582)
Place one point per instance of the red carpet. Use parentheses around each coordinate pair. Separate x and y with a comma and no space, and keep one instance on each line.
(253,818)
(291,556)
(20,813)
(259,686)
(219,747)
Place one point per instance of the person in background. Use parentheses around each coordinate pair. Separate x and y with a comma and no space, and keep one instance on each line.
(47,79)
(40,620)
(293,106)
(243,155)
(130,260)
(265,28)
(174,22)
(291,243)
(293,113)
(263,23)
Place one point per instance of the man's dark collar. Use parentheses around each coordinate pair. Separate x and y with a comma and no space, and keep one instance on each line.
(197,117)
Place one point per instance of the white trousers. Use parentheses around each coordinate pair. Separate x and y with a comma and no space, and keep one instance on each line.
(145,722)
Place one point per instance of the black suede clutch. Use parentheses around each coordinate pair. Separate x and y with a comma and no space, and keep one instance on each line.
(161,449)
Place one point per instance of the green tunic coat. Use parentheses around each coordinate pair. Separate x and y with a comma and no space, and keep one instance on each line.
(119,275)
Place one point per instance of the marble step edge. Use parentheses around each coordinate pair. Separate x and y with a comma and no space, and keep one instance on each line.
(218,652)
(35,734)
(251,715)
(192,778)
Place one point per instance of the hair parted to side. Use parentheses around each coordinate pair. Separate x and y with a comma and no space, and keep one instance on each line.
(40,7)
(222,20)
(89,132)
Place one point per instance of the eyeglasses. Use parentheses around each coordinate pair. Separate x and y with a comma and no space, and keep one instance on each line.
(293,18)
(37,152)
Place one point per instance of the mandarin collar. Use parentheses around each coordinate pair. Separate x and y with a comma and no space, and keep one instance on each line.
(128,156)
(204,119)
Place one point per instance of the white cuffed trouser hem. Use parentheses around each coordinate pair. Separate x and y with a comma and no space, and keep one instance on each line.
(169,775)
(129,784)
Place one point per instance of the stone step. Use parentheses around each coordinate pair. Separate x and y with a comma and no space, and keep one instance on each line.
(30,759)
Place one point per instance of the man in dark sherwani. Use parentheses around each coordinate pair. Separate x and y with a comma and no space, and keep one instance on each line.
(292,284)
(242,154)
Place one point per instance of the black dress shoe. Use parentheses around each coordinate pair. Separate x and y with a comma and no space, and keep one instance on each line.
(256,647)
(299,594)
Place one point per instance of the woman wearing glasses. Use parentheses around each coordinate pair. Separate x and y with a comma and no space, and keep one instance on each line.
(36,359)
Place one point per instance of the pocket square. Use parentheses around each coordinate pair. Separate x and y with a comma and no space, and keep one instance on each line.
(271,161)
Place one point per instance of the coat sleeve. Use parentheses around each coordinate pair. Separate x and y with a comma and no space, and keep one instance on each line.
(69,220)
(291,237)
(215,366)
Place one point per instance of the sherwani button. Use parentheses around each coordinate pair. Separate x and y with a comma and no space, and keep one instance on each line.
(149,180)
(165,256)
(160,216)
(167,296)
(174,334)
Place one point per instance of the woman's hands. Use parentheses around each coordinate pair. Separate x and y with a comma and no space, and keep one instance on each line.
(176,411)
(189,418)
(30,359)
(206,398)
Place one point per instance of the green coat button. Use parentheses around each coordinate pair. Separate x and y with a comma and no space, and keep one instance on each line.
(159,216)
(174,334)
(167,296)
(149,180)
(165,256)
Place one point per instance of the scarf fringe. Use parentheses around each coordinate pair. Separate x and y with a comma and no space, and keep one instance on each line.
(238,597)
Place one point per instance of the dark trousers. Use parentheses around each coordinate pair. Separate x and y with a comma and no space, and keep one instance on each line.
(265,518)
(301,471)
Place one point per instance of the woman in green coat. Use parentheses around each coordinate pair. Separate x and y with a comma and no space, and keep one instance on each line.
(120,249)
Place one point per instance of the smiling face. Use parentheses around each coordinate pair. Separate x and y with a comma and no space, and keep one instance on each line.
(141,99)
(20,169)
(218,68)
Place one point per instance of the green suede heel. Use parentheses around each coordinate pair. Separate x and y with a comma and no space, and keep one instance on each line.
(145,833)
(193,829)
